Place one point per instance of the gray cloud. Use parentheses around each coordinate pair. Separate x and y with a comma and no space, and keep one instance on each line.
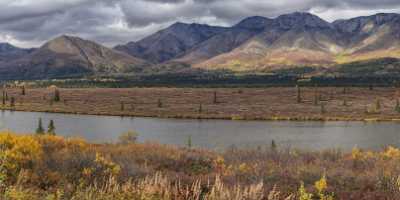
(32,22)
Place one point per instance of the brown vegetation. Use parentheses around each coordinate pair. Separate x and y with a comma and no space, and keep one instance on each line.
(51,167)
(245,103)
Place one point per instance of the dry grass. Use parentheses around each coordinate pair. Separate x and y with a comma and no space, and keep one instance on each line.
(51,167)
(242,103)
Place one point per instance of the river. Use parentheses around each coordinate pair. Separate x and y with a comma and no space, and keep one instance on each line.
(213,134)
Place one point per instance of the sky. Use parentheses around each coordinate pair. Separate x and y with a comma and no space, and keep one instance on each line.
(30,23)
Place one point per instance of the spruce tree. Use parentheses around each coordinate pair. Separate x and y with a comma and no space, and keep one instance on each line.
(40,129)
(51,130)
(57,97)
(298,94)
(159,103)
(378,105)
(12,102)
(4,98)
(189,142)
(23,92)
(215,100)
(397,108)
(122,106)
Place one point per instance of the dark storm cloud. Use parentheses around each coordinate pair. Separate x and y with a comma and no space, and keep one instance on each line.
(31,22)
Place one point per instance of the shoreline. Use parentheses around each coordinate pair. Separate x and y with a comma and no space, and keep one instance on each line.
(234,118)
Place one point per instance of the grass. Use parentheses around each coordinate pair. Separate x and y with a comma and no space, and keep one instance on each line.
(51,167)
(278,103)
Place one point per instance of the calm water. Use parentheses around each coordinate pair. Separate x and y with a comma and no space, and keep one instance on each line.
(213,134)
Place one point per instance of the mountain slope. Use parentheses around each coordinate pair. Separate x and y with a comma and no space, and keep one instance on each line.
(294,39)
(259,43)
(70,56)
(370,37)
(226,41)
(171,42)
(9,52)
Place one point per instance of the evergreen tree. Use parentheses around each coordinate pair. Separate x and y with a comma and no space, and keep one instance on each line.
(40,129)
(298,94)
(316,99)
(159,103)
(122,106)
(51,130)
(273,146)
(4,98)
(12,102)
(397,108)
(189,142)
(378,105)
(345,102)
(57,97)
(23,90)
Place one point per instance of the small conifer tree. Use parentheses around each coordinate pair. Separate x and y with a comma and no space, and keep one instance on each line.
(12,102)
(397,108)
(40,129)
(378,105)
(189,142)
(122,106)
(298,94)
(57,97)
(23,92)
(159,103)
(4,98)
(51,129)
(273,146)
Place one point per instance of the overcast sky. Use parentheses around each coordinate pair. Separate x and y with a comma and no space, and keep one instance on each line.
(29,23)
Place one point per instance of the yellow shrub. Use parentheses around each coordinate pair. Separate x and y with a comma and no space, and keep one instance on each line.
(17,151)
(109,167)
(391,152)
(303,194)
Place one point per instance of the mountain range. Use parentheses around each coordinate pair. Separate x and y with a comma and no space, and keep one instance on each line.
(255,44)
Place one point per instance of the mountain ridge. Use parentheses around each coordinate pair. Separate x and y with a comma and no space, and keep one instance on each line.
(254,44)
(66,56)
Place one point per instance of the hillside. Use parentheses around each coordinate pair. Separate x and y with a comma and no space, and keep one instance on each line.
(67,56)
(171,42)
(255,44)
(9,52)
(292,40)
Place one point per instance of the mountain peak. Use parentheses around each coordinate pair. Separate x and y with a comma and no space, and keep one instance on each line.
(301,20)
(358,23)
(5,46)
(254,22)
(178,24)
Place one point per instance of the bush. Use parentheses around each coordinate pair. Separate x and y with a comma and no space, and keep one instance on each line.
(129,137)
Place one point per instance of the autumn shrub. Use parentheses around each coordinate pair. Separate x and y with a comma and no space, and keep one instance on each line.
(52,167)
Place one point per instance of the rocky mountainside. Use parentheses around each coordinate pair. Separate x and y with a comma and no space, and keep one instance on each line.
(171,42)
(254,44)
(67,56)
(302,39)
(296,39)
(9,52)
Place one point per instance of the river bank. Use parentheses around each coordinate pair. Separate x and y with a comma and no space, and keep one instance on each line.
(303,104)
